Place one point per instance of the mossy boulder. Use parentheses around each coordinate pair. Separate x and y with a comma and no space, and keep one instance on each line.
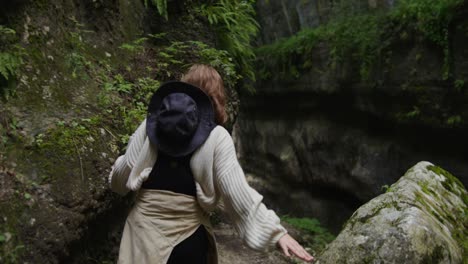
(422,218)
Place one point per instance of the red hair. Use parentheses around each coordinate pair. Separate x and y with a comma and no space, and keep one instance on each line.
(208,79)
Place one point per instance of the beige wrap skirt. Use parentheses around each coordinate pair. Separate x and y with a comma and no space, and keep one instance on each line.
(159,221)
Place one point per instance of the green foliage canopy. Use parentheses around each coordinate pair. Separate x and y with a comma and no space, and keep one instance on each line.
(361,36)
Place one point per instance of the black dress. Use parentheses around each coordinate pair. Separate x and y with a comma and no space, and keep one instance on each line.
(174,174)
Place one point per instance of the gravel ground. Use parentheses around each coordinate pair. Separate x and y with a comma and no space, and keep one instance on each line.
(231,250)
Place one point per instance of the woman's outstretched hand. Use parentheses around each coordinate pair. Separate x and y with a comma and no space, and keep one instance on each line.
(289,245)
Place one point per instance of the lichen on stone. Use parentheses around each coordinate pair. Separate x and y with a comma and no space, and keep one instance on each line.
(419,221)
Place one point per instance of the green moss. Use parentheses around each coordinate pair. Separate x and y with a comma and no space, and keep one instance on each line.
(424,187)
(369,259)
(451,182)
(82,96)
(376,210)
(427,206)
(461,236)
(13,208)
(63,150)
(436,256)
(463,240)
(459,218)
(131,14)
(436,215)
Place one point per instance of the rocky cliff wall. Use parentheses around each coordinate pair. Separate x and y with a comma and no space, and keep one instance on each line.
(328,137)
(281,18)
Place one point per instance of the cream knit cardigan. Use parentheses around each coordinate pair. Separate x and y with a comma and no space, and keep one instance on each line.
(217,175)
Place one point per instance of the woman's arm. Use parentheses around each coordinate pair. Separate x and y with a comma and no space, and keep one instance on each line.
(119,175)
(258,226)
(124,164)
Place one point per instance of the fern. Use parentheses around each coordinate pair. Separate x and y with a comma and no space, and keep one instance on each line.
(10,54)
(135,46)
(11,59)
(9,63)
(161,5)
(219,59)
(6,31)
(235,25)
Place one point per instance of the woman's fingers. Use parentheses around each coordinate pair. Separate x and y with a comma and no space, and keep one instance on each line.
(287,243)
(301,253)
(298,251)
(305,255)
(286,250)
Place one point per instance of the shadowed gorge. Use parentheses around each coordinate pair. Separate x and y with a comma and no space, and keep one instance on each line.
(349,96)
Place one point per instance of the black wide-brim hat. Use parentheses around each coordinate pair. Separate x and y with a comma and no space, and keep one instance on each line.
(204,109)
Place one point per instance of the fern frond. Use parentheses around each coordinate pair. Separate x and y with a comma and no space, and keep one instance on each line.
(234,21)
(6,31)
(9,64)
(161,6)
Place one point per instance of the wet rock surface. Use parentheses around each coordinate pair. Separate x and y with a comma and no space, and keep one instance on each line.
(328,139)
(326,166)
(422,218)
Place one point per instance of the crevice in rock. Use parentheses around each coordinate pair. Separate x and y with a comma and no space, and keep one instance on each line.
(101,235)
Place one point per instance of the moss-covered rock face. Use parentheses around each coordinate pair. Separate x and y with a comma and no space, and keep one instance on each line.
(75,79)
(422,218)
(351,95)
(405,65)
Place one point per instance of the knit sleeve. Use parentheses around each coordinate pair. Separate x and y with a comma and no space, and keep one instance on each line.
(119,175)
(258,226)
(123,165)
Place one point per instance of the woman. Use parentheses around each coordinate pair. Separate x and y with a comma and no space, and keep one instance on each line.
(183,164)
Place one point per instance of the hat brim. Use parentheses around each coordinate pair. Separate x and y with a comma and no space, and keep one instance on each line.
(205,125)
